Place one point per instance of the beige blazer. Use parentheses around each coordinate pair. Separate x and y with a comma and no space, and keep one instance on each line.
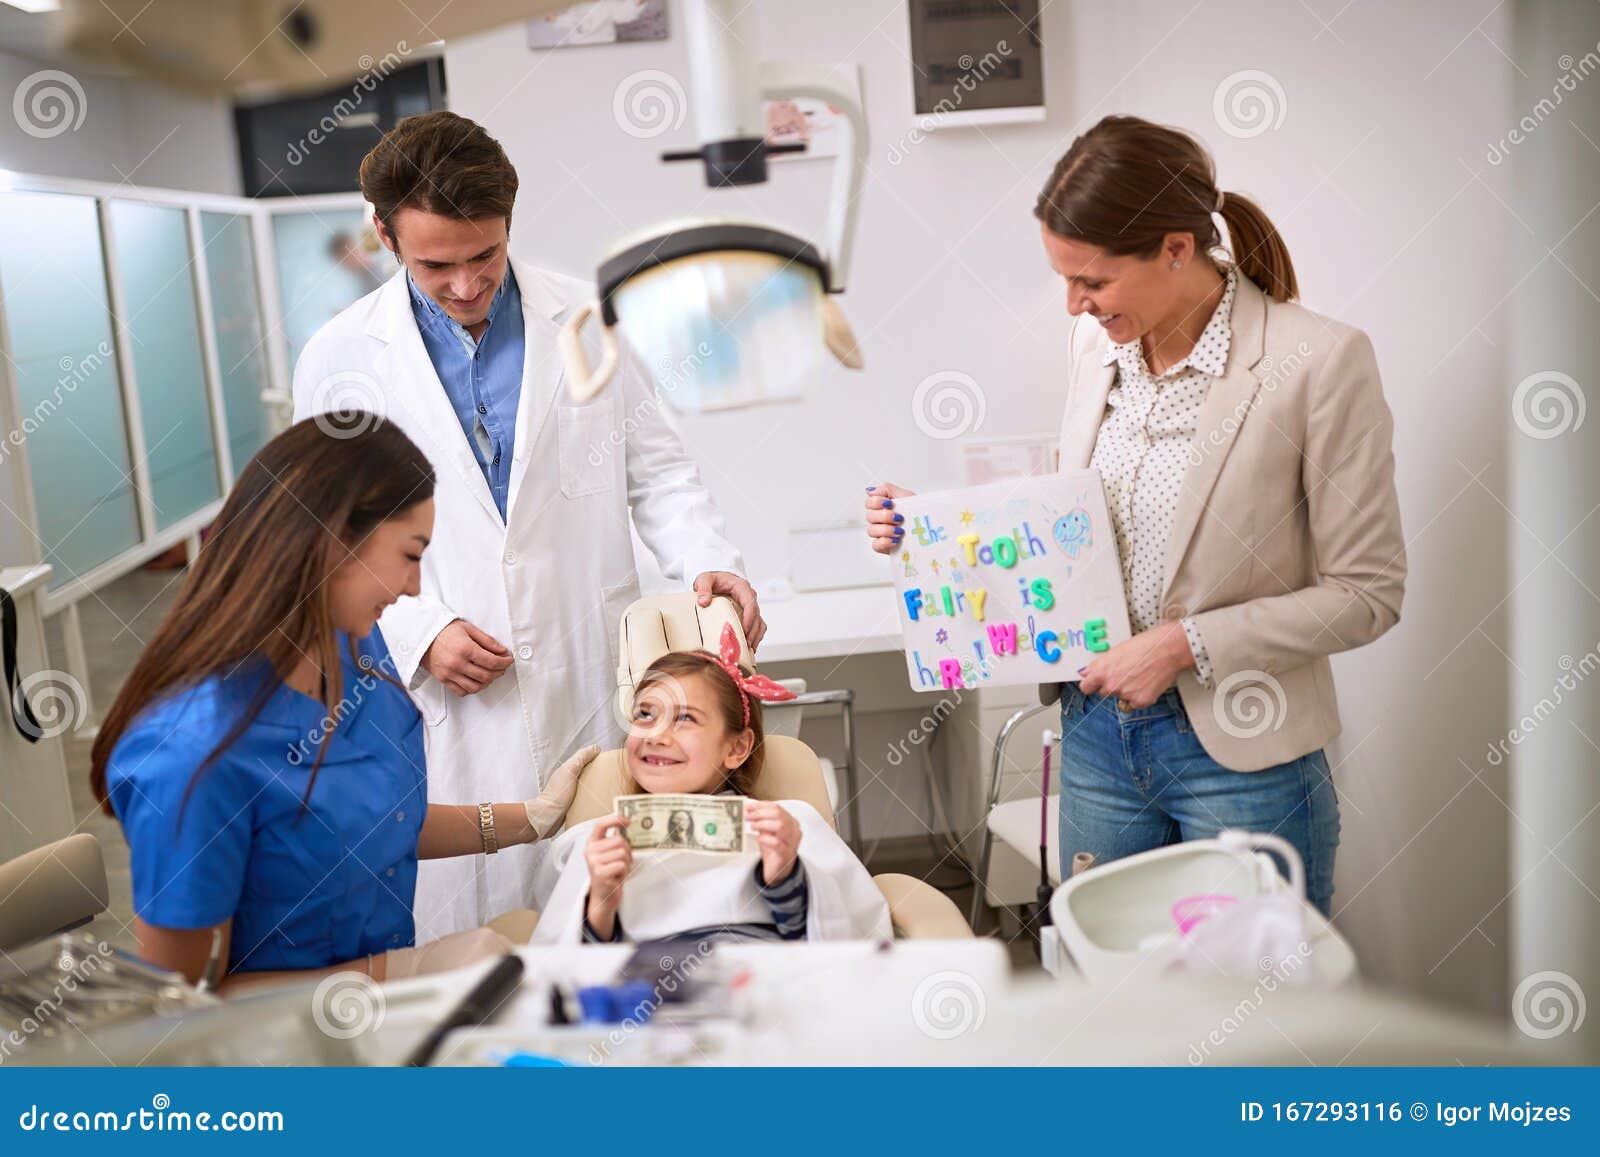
(1286,546)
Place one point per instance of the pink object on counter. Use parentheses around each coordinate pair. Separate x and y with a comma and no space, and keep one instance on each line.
(1191,910)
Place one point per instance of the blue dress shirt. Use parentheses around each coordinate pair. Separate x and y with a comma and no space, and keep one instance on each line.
(482,377)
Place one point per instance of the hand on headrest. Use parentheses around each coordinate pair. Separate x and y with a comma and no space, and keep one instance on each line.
(652,627)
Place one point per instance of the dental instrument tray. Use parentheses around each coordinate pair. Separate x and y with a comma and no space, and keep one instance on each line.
(78,981)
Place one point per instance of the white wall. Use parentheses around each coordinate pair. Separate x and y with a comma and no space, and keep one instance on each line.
(1377,178)
(131,132)
(1554,609)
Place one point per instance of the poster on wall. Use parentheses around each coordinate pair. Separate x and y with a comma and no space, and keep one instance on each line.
(1013,582)
(600,22)
(808,121)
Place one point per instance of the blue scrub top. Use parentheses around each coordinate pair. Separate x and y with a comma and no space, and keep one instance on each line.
(304,890)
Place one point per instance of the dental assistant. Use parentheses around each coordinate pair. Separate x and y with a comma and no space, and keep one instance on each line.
(1245,448)
(265,763)
(509,646)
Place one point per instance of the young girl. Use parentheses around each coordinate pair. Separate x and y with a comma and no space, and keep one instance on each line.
(697,729)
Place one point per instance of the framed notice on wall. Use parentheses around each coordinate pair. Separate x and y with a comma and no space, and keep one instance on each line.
(1013,582)
(976,62)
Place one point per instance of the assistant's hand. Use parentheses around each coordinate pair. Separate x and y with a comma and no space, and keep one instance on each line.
(547,809)
(885,525)
(1140,670)
(777,835)
(465,659)
(721,582)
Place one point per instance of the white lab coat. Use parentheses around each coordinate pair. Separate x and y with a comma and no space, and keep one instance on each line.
(550,582)
(668,893)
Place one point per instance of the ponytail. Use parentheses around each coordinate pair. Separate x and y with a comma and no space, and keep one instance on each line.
(1259,251)
(1127,183)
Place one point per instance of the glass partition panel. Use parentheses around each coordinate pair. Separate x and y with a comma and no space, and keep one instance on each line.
(236,310)
(69,402)
(321,269)
(151,246)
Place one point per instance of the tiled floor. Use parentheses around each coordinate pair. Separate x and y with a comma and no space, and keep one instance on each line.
(123,615)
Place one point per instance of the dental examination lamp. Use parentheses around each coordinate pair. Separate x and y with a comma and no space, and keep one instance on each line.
(730,313)
(724,313)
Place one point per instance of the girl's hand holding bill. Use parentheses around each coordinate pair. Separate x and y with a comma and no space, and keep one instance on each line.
(609,857)
(777,838)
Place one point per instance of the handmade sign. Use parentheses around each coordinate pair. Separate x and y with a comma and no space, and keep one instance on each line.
(1013,582)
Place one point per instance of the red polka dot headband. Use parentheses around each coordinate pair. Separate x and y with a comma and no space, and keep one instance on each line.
(760,686)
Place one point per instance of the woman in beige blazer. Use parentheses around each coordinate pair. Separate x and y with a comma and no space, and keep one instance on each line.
(1245,448)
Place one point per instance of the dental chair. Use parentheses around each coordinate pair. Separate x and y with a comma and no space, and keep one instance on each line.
(51,889)
(650,628)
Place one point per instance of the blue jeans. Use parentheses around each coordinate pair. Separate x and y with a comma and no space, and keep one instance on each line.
(1136,780)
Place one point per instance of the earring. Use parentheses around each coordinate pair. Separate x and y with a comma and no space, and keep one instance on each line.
(1177,265)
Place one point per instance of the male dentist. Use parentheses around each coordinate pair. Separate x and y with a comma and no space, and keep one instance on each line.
(510,650)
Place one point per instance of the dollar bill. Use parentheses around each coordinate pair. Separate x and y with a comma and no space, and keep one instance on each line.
(686,823)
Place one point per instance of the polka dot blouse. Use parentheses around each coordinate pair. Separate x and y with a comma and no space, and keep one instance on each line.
(1142,452)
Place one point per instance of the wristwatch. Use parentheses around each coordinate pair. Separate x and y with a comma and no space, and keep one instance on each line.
(491,843)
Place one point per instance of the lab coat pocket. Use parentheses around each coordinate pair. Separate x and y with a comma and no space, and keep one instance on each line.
(432,699)
(591,443)
(614,600)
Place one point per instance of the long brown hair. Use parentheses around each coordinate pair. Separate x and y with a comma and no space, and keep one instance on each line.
(258,591)
(1127,182)
(730,706)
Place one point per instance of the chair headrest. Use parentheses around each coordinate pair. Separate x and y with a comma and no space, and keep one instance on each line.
(50,889)
(789,771)
(675,622)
